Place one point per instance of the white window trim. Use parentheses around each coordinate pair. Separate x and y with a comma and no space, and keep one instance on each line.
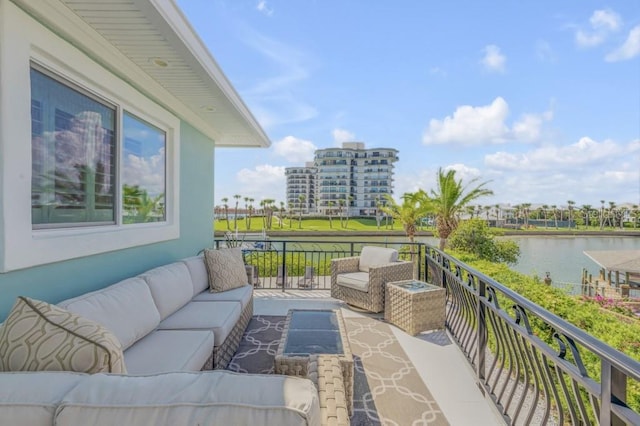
(22,246)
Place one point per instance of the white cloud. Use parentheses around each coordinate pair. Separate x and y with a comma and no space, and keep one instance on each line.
(473,126)
(342,135)
(602,24)
(264,181)
(605,19)
(544,51)
(629,49)
(264,8)
(438,71)
(493,60)
(295,150)
(582,154)
(146,172)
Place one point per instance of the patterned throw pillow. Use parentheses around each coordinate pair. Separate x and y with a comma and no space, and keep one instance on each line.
(225,268)
(37,336)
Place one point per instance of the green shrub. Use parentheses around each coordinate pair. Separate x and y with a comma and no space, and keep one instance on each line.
(474,237)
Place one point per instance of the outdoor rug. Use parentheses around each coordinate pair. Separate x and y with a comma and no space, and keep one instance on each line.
(387,388)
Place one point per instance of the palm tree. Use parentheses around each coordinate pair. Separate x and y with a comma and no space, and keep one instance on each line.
(414,206)
(281,214)
(570,208)
(554,210)
(497,213)
(449,199)
(235,212)
(225,206)
(525,212)
(330,212)
(586,209)
(601,215)
(301,198)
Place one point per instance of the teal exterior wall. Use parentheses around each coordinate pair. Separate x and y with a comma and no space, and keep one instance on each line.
(62,280)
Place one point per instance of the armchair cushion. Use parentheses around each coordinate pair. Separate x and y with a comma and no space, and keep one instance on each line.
(355,280)
(375,256)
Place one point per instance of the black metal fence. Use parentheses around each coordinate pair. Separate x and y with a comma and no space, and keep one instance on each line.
(306,265)
(530,380)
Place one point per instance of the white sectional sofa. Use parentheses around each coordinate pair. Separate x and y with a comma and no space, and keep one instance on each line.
(167,320)
(170,327)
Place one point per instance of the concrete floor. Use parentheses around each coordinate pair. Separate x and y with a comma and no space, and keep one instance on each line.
(441,365)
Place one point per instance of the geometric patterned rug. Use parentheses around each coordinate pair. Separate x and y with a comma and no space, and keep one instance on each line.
(387,387)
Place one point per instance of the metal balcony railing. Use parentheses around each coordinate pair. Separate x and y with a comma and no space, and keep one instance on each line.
(529,379)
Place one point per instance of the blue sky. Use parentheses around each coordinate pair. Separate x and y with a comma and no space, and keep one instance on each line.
(541,98)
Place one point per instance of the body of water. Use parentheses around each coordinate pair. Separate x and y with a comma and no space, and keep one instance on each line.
(562,256)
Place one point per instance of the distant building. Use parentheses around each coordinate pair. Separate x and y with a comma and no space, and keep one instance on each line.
(353,176)
(301,188)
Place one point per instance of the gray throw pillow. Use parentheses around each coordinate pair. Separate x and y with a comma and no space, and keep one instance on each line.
(225,268)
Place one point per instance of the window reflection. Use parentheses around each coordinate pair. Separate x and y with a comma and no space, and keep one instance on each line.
(143,182)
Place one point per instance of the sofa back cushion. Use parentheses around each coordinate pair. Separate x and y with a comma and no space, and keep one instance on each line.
(198,271)
(170,287)
(38,336)
(208,397)
(126,308)
(225,268)
(376,256)
(32,398)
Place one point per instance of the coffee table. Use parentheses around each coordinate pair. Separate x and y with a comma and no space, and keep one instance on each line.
(415,306)
(309,333)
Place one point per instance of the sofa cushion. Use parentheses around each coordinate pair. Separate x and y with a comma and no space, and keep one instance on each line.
(225,268)
(170,287)
(376,256)
(219,317)
(216,397)
(198,271)
(355,280)
(170,350)
(241,294)
(31,398)
(125,308)
(38,336)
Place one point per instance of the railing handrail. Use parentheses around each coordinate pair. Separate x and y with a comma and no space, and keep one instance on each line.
(619,359)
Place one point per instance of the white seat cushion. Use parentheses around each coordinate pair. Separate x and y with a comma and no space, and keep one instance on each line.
(170,287)
(355,280)
(170,350)
(376,256)
(31,398)
(215,397)
(126,309)
(219,317)
(240,294)
(198,271)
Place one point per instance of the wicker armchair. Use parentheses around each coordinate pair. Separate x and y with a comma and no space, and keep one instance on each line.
(360,281)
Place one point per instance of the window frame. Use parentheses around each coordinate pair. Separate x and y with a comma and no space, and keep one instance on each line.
(22,246)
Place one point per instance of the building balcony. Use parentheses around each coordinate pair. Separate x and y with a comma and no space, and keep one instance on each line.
(489,365)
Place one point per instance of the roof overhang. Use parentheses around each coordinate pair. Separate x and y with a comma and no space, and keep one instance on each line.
(151,45)
(617,260)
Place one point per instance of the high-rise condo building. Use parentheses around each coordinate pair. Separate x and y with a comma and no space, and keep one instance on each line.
(301,188)
(353,177)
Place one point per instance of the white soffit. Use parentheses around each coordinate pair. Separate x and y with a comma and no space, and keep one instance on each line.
(138,37)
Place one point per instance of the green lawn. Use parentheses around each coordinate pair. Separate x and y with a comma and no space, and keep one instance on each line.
(369,224)
(309,224)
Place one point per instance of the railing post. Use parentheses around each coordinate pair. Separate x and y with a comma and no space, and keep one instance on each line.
(613,387)
(284,266)
(482,334)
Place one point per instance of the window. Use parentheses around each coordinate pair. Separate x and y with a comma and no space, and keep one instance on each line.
(143,180)
(66,163)
(72,147)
